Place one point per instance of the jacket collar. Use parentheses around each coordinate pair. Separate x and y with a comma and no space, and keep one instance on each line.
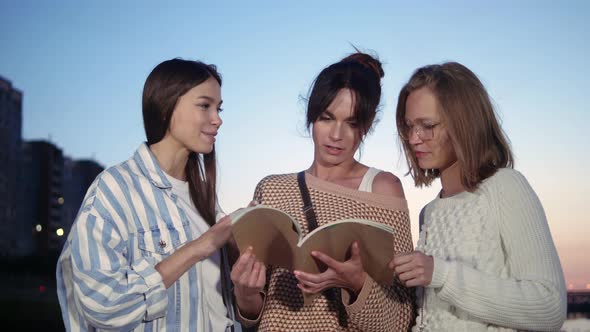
(148,164)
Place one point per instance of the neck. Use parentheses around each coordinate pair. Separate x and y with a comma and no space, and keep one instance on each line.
(172,159)
(330,172)
(450,179)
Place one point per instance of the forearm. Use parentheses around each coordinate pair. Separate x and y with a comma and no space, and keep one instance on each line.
(521,303)
(175,265)
(110,291)
(118,297)
(250,307)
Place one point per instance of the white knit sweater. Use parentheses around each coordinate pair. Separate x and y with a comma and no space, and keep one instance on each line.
(495,264)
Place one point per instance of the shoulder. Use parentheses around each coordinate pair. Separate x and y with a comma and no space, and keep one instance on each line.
(114,182)
(277,181)
(506,180)
(116,176)
(278,178)
(385,183)
(507,175)
(275,187)
(509,188)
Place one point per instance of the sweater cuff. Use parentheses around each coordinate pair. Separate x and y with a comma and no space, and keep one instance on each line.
(247,322)
(361,299)
(439,273)
(156,296)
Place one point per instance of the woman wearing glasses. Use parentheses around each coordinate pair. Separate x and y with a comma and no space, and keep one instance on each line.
(485,257)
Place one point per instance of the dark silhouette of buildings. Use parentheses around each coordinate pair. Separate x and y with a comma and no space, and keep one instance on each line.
(41,190)
(78,176)
(578,304)
(10,140)
(54,194)
(43,168)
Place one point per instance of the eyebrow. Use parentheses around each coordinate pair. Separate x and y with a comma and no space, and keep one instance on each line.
(209,99)
(421,120)
(350,118)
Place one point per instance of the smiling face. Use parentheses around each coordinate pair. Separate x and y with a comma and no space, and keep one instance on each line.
(425,131)
(335,134)
(195,119)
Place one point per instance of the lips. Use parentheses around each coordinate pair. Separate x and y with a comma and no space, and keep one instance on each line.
(334,150)
(211,135)
(420,154)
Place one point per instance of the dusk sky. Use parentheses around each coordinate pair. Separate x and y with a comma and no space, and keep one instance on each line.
(82,65)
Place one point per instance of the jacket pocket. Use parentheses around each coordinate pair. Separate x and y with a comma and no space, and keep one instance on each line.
(158,242)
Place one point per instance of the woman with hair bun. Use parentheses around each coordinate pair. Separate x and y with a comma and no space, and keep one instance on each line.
(341,110)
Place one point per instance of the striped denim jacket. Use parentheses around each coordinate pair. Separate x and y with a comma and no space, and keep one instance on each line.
(106,278)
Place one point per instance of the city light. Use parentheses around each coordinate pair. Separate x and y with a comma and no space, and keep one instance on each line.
(38,228)
(60,200)
(59,232)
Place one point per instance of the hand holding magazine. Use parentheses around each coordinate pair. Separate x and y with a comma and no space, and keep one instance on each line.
(277,240)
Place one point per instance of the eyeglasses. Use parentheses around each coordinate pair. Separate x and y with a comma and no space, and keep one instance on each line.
(424,131)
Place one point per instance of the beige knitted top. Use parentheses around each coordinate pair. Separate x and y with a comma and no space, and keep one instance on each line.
(495,265)
(377,307)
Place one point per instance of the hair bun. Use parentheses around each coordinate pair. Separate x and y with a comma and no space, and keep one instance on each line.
(367,61)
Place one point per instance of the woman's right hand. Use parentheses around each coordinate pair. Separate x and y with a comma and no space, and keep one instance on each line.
(217,236)
(173,266)
(249,277)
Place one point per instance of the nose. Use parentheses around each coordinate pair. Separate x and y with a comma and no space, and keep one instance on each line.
(413,137)
(336,131)
(216,119)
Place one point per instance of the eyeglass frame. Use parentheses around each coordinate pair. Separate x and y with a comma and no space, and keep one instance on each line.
(420,130)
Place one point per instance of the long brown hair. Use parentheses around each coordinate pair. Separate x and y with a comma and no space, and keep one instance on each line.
(467,112)
(164,86)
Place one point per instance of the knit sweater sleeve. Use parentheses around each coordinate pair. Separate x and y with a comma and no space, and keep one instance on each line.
(533,296)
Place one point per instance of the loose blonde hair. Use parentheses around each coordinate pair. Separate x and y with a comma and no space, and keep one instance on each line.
(467,112)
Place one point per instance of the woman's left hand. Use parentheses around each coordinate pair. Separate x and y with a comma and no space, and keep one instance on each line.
(349,274)
(413,269)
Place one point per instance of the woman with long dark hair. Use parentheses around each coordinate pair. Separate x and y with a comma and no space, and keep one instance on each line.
(144,251)
(341,110)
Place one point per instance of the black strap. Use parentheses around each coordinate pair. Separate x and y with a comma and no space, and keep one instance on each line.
(312,222)
(226,287)
(332,294)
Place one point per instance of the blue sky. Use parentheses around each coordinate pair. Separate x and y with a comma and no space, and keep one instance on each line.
(81,66)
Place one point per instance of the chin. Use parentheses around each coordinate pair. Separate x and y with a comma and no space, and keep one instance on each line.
(334,161)
(425,165)
(203,149)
